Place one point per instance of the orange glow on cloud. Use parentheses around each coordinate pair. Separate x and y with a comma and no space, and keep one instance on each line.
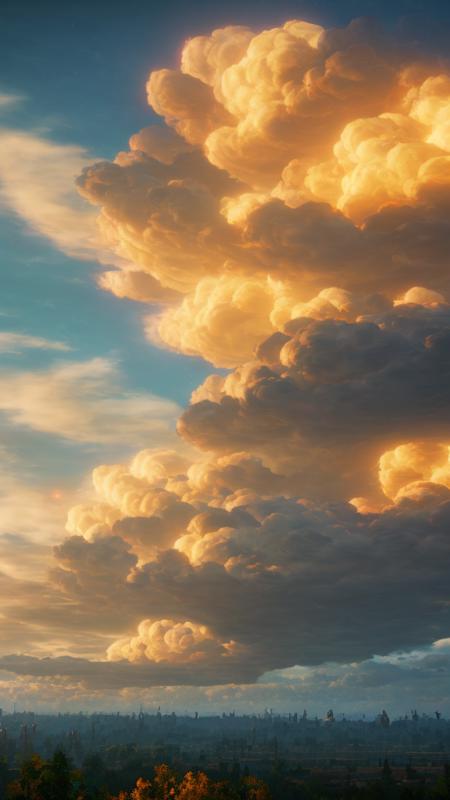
(289,219)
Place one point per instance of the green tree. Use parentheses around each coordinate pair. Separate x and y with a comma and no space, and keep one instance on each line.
(55,779)
(25,787)
(43,780)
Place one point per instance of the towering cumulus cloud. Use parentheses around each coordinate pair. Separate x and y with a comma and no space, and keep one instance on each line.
(288,221)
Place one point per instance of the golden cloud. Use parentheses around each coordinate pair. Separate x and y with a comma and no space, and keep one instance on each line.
(289,219)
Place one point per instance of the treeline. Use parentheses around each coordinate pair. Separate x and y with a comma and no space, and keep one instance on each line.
(56,779)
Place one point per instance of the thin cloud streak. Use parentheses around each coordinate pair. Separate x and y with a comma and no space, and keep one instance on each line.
(12,342)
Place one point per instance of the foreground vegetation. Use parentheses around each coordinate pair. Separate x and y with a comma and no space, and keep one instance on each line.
(55,779)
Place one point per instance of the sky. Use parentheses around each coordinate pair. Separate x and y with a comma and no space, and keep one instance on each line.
(225,473)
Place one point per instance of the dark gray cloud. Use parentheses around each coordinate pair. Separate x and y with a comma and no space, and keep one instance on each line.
(334,397)
(288,583)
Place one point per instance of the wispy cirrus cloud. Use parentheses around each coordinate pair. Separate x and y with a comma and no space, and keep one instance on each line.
(10,100)
(37,182)
(84,401)
(12,342)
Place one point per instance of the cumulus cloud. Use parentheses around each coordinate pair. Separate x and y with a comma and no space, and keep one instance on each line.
(167,640)
(393,158)
(140,502)
(163,218)
(289,218)
(412,466)
(292,160)
(161,494)
(279,583)
(251,584)
(227,318)
(223,320)
(273,93)
(329,396)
